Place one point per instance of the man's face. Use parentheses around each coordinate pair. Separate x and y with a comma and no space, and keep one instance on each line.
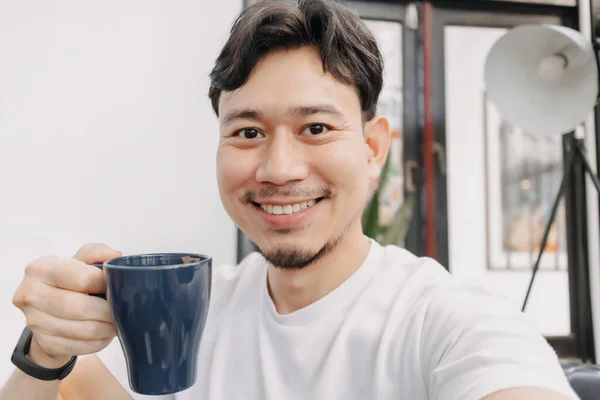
(293,163)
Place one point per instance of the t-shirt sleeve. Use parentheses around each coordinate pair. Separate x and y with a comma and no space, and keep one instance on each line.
(114,360)
(474,344)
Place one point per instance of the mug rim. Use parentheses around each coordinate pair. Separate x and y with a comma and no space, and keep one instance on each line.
(204,259)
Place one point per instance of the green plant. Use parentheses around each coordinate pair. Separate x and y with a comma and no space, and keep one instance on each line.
(395,232)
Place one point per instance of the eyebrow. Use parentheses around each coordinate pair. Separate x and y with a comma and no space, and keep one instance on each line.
(301,111)
(311,109)
(245,113)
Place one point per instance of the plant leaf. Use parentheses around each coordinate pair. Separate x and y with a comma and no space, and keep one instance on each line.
(396,231)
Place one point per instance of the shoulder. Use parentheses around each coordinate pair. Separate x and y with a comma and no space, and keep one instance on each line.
(468,334)
(446,306)
(476,339)
(230,281)
(440,294)
(409,277)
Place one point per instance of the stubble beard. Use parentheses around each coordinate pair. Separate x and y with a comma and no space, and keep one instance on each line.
(295,257)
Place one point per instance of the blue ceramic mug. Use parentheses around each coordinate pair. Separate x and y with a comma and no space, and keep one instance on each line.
(159,304)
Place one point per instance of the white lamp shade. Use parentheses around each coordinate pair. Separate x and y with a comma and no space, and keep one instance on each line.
(542,78)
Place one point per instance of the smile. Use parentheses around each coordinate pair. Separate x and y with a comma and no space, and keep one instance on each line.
(287,209)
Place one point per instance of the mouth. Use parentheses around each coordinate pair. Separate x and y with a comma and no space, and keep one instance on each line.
(287,209)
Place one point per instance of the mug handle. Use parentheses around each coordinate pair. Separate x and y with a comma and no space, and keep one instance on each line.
(101,295)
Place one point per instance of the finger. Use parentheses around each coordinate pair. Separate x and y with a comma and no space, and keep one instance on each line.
(88,330)
(67,273)
(91,253)
(61,303)
(62,346)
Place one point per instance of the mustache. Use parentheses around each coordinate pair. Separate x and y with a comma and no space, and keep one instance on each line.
(250,196)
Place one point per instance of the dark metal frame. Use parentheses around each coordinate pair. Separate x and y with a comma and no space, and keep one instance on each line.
(577,250)
(595,29)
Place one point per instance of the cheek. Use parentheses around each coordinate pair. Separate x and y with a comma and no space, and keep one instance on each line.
(345,167)
(232,172)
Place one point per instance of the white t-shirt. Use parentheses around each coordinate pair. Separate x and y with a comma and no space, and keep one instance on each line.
(401,327)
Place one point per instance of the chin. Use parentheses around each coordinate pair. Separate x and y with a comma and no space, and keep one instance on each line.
(290,256)
(290,253)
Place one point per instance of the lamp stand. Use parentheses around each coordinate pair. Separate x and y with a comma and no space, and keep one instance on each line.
(575,161)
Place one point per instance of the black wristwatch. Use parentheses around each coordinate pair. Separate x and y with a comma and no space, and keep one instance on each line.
(20,360)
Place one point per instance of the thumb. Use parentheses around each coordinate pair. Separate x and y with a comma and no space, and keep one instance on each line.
(92,253)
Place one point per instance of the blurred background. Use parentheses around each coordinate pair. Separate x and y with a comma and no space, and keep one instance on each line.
(107,135)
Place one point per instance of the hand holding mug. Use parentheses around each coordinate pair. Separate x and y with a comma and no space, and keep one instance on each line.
(54,297)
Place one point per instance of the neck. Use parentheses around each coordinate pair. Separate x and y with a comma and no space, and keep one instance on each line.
(292,290)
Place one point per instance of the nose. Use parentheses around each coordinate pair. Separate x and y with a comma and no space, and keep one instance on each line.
(283,161)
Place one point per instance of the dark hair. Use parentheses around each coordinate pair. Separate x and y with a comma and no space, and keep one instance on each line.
(347,47)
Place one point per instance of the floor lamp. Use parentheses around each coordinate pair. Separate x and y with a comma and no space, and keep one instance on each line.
(544,80)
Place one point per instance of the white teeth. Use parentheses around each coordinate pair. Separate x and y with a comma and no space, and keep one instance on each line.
(287,209)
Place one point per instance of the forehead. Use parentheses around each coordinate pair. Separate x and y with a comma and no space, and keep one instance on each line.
(287,78)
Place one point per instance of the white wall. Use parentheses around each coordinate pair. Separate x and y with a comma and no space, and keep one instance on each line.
(106,133)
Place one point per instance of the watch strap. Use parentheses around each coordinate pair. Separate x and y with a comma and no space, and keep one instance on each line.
(20,360)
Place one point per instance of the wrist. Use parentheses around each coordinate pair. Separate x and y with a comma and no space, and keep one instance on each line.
(38,356)
(31,358)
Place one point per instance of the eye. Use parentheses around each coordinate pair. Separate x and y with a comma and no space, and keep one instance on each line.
(316,129)
(248,133)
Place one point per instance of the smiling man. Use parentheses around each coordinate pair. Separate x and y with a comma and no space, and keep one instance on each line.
(319,311)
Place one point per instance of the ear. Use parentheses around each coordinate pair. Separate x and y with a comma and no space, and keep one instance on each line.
(377,141)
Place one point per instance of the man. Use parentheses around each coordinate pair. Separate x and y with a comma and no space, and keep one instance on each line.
(320,311)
